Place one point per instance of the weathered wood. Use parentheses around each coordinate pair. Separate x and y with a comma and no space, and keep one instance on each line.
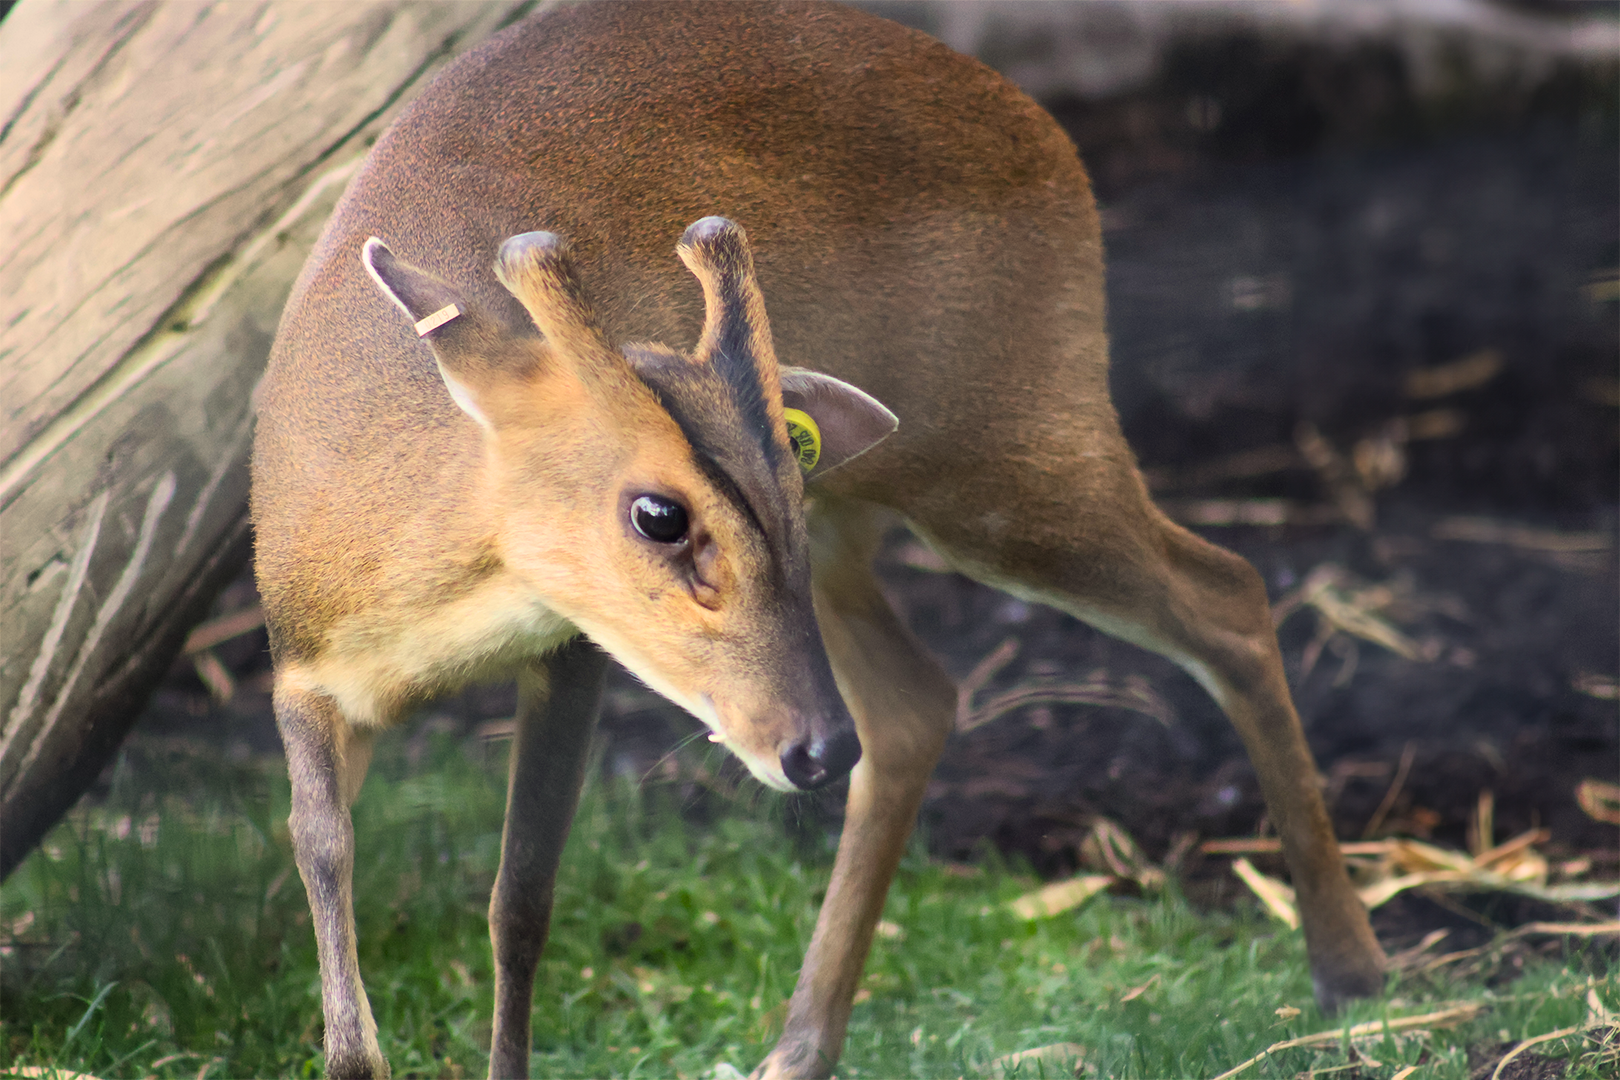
(164,170)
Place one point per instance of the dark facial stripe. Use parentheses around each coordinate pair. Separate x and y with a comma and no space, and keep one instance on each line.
(736,361)
(710,458)
(728,486)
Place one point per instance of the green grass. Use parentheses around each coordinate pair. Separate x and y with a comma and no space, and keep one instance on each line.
(166,934)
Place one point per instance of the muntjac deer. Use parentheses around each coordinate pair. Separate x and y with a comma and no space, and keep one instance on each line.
(471,461)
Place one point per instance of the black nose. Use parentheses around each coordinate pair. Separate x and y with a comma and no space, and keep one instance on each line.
(814,762)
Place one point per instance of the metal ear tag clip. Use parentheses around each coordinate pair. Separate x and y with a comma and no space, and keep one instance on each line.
(427,325)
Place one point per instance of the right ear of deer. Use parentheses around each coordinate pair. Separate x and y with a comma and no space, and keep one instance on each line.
(538,269)
(850,420)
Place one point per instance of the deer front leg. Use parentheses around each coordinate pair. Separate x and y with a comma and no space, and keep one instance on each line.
(904,707)
(558,702)
(326,760)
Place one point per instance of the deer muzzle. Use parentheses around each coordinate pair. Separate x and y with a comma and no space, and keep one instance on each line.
(816,760)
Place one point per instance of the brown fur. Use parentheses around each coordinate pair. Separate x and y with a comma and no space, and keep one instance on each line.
(917,227)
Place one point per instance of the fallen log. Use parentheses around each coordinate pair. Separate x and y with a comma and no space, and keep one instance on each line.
(164,170)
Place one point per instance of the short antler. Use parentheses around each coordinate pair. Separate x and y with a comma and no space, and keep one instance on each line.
(538,269)
(736,333)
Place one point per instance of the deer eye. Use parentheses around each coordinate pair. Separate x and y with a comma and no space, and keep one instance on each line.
(658,519)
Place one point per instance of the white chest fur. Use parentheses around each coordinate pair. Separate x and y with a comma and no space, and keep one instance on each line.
(378,663)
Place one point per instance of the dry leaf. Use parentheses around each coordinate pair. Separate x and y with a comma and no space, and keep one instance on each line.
(216,631)
(1055,1054)
(1513,866)
(1137,991)
(1602,687)
(1600,799)
(1277,897)
(1471,371)
(1479,530)
(1060,896)
(1109,847)
(1353,612)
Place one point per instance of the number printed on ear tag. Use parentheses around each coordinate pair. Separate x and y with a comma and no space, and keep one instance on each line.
(426,326)
(805,438)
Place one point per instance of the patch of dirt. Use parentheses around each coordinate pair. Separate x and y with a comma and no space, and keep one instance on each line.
(1253,308)
(1482,1063)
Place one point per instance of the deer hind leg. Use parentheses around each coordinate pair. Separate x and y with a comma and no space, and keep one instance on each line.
(904,707)
(326,760)
(1128,570)
(558,702)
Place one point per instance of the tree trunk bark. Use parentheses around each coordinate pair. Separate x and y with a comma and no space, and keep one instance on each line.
(164,171)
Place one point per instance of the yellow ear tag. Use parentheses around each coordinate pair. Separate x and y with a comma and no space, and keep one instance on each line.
(805,438)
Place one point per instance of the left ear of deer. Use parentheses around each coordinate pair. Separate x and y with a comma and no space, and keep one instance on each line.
(851,420)
(462,336)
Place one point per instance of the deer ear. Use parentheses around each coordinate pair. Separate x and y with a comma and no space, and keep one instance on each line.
(458,335)
(848,421)
(417,293)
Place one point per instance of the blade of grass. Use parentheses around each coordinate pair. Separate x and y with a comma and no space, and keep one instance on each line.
(95,1005)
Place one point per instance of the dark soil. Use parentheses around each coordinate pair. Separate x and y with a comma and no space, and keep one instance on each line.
(1256,285)
(1483,1061)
